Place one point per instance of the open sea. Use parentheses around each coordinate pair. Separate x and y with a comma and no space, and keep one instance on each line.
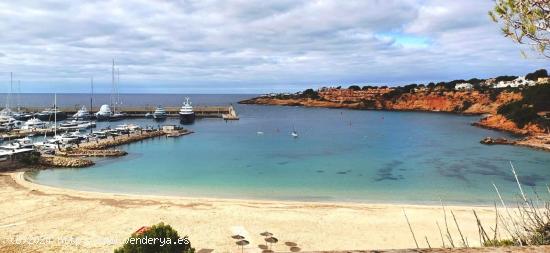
(340,155)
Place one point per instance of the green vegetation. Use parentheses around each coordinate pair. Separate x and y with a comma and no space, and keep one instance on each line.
(525,22)
(31,158)
(159,238)
(310,93)
(535,99)
(498,243)
(536,75)
(354,87)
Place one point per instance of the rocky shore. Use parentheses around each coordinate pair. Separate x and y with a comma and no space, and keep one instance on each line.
(67,162)
(119,140)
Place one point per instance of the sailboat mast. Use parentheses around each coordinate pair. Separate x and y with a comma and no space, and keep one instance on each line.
(118,86)
(9,93)
(91,101)
(55,114)
(113,86)
(19,96)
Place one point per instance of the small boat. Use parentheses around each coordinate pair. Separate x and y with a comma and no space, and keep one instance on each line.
(117,116)
(259,133)
(159,114)
(76,125)
(187,115)
(83,113)
(294,134)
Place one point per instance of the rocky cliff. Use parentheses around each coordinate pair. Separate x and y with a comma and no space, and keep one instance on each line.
(470,102)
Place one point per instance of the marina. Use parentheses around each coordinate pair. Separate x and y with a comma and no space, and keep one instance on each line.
(142,111)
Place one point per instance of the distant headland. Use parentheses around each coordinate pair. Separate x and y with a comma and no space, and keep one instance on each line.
(517,104)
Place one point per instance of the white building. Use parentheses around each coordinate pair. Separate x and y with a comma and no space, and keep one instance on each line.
(518,82)
(464,86)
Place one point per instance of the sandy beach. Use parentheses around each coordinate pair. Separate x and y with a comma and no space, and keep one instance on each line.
(31,211)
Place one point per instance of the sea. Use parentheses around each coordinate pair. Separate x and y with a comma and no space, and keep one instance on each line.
(340,155)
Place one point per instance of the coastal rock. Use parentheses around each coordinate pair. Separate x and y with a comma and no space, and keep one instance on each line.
(492,141)
(499,122)
(469,102)
(67,162)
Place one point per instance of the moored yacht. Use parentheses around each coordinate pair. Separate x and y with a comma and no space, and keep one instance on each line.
(33,123)
(187,115)
(104,113)
(51,114)
(159,113)
(83,113)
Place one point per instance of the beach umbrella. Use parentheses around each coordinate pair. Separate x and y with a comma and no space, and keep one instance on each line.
(266,234)
(295,249)
(271,240)
(237,237)
(267,251)
(291,244)
(242,243)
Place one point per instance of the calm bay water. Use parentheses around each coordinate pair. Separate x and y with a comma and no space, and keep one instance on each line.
(340,155)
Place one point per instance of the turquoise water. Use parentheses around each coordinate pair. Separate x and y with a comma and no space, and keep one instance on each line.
(340,155)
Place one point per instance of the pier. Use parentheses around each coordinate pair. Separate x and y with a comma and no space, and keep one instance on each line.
(225,112)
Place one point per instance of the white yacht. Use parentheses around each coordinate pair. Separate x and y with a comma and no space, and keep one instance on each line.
(159,113)
(187,115)
(33,123)
(104,113)
(83,113)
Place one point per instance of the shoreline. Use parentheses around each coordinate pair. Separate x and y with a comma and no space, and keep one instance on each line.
(21,179)
(210,222)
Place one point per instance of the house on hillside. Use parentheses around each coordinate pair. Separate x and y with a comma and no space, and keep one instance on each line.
(464,86)
(518,82)
(543,80)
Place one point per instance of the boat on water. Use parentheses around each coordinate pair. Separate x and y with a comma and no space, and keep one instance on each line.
(159,114)
(23,116)
(76,125)
(33,123)
(82,114)
(51,114)
(186,113)
(294,134)
(104,113)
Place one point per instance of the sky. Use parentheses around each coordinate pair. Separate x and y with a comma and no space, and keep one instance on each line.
(241,46)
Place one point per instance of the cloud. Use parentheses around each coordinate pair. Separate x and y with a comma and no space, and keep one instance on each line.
(252,46)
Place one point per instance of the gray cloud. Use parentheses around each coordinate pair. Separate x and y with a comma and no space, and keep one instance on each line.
(253,46)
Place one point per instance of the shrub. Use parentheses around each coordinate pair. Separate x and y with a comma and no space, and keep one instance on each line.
(167,241)
(354,87)
(498,243)
(310,93)
(519,113)
(536,75)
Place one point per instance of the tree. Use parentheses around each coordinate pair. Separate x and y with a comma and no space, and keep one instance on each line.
(354,87)
(536,75)
(167,241)
(525,22)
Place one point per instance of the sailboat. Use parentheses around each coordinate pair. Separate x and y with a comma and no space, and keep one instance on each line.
(116,115)
(105,112)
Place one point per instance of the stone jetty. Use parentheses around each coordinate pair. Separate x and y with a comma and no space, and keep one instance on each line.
(67,162)
(114,141)
(92,153)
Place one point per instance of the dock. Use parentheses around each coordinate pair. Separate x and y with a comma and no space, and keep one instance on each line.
(140,111)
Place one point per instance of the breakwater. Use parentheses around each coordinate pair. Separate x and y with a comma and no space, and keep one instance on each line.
(142,111)
(114,141)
